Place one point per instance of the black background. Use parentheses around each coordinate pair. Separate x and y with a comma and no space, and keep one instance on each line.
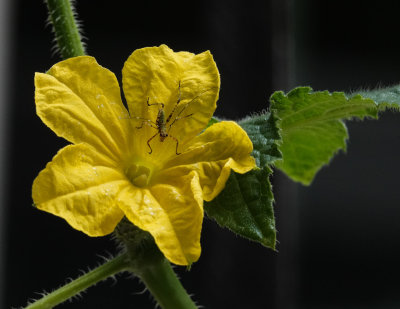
(339,238)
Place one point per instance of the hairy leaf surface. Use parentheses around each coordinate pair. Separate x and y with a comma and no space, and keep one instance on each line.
(264,133)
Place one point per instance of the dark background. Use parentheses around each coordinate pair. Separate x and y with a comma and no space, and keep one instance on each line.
(339,238)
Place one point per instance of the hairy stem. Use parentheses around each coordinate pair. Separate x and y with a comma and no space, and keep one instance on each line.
(62,17)
(110,268)
(150,265)
(388,97)
(166,288)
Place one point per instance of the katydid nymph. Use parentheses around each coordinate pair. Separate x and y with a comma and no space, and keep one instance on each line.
(162,123)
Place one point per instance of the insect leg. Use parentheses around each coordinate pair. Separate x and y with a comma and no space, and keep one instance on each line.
(177,143)
(148,142)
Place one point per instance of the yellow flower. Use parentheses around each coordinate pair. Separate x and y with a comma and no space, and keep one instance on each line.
(108,172)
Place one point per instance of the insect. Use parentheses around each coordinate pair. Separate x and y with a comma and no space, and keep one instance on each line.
(163,124)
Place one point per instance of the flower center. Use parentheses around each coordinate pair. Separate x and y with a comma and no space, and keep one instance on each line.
(139,174)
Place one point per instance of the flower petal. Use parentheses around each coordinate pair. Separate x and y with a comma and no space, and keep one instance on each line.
(172,212)
(212,154)
(80,101)
(81,185)
(154,74)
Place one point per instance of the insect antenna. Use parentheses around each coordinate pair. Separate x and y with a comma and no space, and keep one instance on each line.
(184,108)
(176,104)
(196,97)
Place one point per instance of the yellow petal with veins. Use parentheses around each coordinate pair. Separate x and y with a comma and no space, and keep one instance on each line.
(212,154)
(173,214)
(80,101)
(81,185)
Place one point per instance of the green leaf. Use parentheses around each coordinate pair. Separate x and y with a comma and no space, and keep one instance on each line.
(264,133)
(312,128)
(245,206)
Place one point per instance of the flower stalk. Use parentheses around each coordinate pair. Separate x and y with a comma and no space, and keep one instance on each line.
(110,268)
(150,265)
(66,29)
(165,287)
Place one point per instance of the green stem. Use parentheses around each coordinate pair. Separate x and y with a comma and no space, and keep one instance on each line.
(164,285)
(110,268)
(150,265)
(62,17)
